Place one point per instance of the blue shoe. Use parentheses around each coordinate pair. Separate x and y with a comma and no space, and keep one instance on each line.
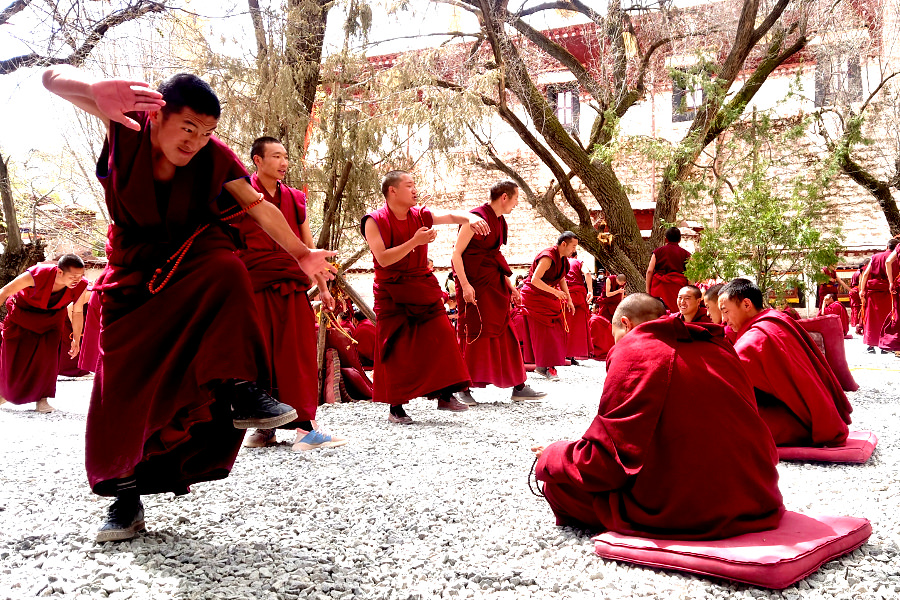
(310,440)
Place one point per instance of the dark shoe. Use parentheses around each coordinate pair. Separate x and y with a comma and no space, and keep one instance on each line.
(526,393)
(871,350)
(124,519)
(573,362)
(466,398)
(451,404)
(404,420)
(252,407)
(548,372)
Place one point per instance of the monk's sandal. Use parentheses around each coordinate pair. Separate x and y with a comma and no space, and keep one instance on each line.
(252,407)
(124,519)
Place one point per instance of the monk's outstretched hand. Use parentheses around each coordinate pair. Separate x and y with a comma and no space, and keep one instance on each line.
(115,97)
(538,450)
(316,263)
(479,225)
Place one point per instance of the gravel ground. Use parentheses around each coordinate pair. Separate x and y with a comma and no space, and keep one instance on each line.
(440,509)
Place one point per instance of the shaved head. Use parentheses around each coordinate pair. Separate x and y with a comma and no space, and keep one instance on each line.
(634,310)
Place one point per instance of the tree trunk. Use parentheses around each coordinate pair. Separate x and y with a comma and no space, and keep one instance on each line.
(879,189)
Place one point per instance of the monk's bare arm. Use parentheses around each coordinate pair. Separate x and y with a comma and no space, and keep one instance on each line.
(458,217)
(25,280)
(321,283)
(537,282)
(271,220)
(106,99)
(651,268)
(565,288)
(889,266)
(388,256)
(462,242)
(78,323)
(863,279)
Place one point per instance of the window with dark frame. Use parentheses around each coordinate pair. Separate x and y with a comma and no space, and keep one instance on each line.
(838,79)
(563,98)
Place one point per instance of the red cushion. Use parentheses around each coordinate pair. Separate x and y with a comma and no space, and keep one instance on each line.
(832,331)
(771,559)
(857,449)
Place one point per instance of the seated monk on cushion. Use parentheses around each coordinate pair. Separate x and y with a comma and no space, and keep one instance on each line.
(831,306)
(797,394)
(661,459)
(690,305)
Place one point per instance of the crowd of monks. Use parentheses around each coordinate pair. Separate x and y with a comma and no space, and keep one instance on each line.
(201,327)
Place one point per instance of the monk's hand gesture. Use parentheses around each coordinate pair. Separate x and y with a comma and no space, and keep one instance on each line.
(538,450)
(315,262)
(327,300)
(115,97)
(425,235)
(561,294)
(468,294)
(74,348)
(571,306)
(516,296)
(479,225)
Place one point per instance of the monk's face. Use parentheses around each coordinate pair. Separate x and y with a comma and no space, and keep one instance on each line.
(712,308)
(735,312)
(568,248)
(405,191)
(180,136)
(509,202)
(69,278)
(687,302)
(275,162)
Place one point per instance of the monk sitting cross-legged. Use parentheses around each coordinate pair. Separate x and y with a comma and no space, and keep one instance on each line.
(660,459)
(797,393)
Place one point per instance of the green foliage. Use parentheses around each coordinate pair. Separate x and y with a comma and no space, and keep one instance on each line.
(778,233)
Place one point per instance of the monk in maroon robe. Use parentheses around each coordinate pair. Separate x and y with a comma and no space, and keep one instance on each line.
(890,330)
(416,352)
(89,356)
(578,339)
(665,273)
(547,306)
(613,293)
(35,328)
(181,345)
(797,393)
(874,288)
(364,334)
(831,306)
(284,311)
(486,337)
(855,299)
(601,336)
(832,285)
(690,305)
(355,383)
(677,449)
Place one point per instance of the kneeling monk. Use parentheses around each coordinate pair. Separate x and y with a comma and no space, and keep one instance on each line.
(661,459)
(797,394)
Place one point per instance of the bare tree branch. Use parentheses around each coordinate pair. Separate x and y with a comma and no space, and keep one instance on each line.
(16,7)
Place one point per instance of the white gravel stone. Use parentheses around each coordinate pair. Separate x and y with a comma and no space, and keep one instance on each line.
(439,509)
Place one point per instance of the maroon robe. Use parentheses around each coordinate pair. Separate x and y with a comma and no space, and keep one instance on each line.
(791,312)
(33,331)
(855,300)
(416,353)
(364,333)
(578,340)
(701,317)
(668,274)
(836,308)
(601,336)
(152,409)
(285,314)
(677,449)
(69,366)
(829,287)
(797,393)
(878,299)
(486,337)
(607,304)
(89,356)
(356,381)
(545,315)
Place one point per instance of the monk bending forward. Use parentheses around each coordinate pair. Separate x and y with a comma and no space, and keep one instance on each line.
(677,449)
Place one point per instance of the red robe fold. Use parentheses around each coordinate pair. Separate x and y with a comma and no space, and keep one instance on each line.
(545,316)
(364,333)
(607,304)
(486,337)
(416,352)
(855,300)
(578,340)
(798,395)
(829,287)
(285,314)
(68,366)
(890,331)
(701,317)
(601,336)
(878,300)
(668,274)
(677,449)
(836,308)
(356,381)
(152,409)
(90,338)
(33,331)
